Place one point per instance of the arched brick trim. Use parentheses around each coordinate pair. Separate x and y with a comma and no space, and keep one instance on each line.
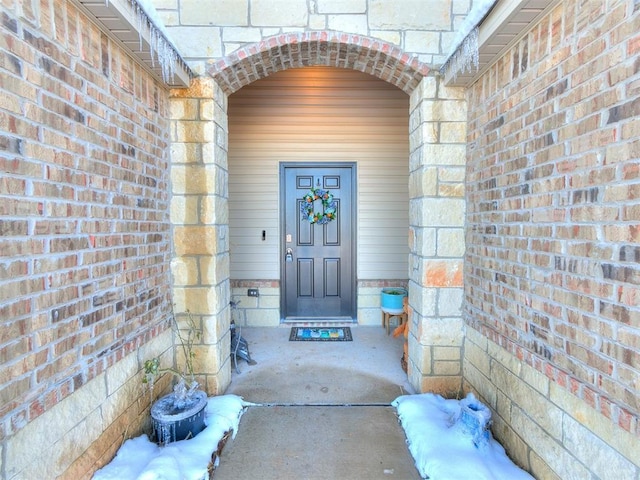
(334,49)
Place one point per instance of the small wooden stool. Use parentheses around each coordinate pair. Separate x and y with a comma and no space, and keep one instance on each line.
(386,319)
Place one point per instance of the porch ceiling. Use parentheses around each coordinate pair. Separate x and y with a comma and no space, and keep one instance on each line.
(505,24)
(119,19)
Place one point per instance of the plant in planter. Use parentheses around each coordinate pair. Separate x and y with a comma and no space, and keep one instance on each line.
(391,299)
(180,414)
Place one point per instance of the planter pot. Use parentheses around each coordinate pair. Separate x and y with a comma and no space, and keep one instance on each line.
(171,424)
(391,299)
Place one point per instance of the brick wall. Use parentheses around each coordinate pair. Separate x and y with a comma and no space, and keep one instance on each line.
(552,273)
(85,241)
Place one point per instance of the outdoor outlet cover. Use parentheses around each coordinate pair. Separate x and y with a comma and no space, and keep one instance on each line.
(252,292)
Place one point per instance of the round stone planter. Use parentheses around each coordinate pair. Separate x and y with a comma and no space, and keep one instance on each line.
(391,299)
(171,423)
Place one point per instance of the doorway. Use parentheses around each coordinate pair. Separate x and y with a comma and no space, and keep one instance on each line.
(318,260)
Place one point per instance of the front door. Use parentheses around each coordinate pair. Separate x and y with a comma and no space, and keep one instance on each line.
(318,248)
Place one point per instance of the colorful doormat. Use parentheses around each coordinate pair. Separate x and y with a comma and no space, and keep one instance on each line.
(323,334)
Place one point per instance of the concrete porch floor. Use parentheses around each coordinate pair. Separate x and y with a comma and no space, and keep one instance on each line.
(323,409)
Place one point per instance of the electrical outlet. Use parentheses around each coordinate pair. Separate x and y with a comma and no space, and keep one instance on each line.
(252,292)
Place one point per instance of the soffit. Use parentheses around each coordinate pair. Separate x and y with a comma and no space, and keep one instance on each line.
(120,20)
(506,23)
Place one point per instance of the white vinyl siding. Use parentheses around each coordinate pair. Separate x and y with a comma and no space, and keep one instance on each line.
(319,114)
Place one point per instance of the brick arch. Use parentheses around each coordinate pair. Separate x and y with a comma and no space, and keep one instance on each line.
(333,49)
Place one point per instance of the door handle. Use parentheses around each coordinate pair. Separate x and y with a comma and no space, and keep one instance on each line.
(288,257)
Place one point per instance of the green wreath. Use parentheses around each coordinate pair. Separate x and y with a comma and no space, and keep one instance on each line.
(328,205)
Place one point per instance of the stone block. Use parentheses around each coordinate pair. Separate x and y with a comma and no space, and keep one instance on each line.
(420,355)
(49,428)
(444,155)
(284,13)
(123,398)
(241,34)
(356,24)
(269,302)
(422,41)
(475,380)
(184,210)
(197,42)
(423,300)
(547,415)
(453,132)
(184,109)
(540,469)
(341,6)
(515,447)
(215,210)
(474,355)
(185,153)
(479,340)
(442,273)
(190,179)
(452,93)
(389,36)
(535,379)
(450,242)
(208,359)
(263,318)
(224,12)
(213,269)
(121,373)
(504,358)
(601,458)
(195,240)
(198,300)
(622,441)
(447,368)
(448,387)
(194,131)
(437,212)
(450,302)
(447,353)
(426,89)
(425,244)
(550,450)
(423,182)
(428,132)
(410,15)
(441,332)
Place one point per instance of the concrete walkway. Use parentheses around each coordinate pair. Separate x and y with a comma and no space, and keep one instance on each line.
(323,409)
(317,443)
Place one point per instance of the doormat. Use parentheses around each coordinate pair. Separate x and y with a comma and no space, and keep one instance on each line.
(325,334)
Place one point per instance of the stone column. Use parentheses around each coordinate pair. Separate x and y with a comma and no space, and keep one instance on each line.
(200,219)
(436,237)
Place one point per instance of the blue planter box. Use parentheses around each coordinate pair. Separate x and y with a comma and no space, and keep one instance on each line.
(391,299)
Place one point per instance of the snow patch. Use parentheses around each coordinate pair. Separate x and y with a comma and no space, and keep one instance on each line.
(444,451)
(141,459)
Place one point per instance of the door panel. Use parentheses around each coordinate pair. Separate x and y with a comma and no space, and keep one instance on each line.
(319,277)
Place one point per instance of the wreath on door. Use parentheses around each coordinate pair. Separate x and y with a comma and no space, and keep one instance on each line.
(328,206)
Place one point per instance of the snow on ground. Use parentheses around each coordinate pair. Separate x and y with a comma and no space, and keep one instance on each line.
(441,450)
(141,459)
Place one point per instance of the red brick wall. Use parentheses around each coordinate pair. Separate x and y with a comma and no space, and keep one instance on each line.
(553,204)
(84,198)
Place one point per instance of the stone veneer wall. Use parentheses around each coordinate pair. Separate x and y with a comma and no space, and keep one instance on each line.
(85,287)
(200,218)
(436,236)
(552,267)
